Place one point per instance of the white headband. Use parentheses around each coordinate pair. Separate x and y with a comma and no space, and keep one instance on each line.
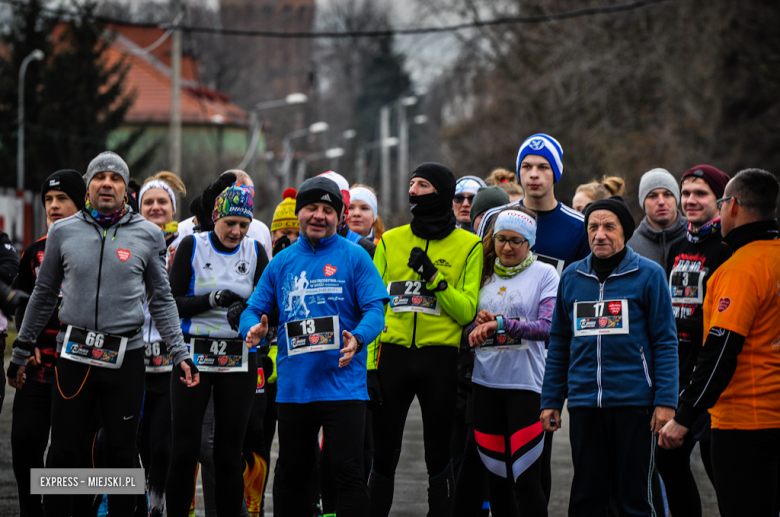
(519,222)
(366,196)
(468,185)
(157,184)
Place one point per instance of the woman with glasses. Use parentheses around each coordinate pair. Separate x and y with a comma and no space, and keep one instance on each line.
(516,303)
(432,271)
(465,190)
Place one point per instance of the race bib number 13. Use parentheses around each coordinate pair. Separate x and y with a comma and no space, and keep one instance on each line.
(601,318)
(312,335)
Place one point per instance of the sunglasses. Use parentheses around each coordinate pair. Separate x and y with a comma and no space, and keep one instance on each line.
(724,199)
(459,199)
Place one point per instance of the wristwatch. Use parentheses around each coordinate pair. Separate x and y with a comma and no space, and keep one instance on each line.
(360,344)
(441,286)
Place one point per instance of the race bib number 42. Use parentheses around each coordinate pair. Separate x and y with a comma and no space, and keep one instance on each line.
(601,318)
(312,335)
(412,296)
(219,355)
(93,348)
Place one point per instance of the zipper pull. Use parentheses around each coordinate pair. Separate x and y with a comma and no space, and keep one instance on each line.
(104,234)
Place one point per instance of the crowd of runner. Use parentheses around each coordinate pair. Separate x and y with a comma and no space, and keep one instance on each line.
(184,347)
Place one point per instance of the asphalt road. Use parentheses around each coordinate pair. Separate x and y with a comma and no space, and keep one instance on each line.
(411,480)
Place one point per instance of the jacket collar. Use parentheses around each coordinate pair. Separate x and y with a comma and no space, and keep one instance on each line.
(629,264)
(322,245)
(678,228)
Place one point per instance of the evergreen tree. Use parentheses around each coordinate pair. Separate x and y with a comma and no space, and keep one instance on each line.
(73,99)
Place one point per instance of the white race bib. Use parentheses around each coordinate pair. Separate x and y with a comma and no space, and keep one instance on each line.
(601,318)
(312,335)
(687,286)
(412,296)
(93,348)
(156,357)
(219,355)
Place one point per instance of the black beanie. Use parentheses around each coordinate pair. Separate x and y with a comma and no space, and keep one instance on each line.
(617,206)
(68,181)
(440,176)
(319,190)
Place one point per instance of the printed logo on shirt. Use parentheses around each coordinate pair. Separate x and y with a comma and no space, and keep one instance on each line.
(297,288)
(123,254)
(723,304)
(330,270)
(39,256)
(242,267)
(208,266)
(442,263)
(10,247)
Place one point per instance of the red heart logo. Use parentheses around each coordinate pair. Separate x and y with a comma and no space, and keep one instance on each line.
(602,322)
(330,270)
(501,338)
(40,257)
(314,338)
(123,254)
(260,378)
(97,354)
(417,300)
(615,307)
(223,360)
(723,304)
(157,361)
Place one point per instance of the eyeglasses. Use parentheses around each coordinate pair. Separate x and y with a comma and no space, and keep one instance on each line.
(724,199)
(459,199)
(501,241)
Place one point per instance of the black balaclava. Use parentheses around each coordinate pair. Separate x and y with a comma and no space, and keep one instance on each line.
(433,215)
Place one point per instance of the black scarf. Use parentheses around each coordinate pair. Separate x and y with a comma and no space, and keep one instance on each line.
(747,233)
(605,267)
(433,216)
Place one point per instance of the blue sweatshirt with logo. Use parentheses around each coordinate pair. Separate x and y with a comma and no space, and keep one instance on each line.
(309,287)
(635,369)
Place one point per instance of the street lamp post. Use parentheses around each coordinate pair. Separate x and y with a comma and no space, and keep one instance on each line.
(35,55)
(284,170)
(360,164)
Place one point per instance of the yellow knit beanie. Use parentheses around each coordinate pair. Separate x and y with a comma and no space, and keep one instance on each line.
(284,215)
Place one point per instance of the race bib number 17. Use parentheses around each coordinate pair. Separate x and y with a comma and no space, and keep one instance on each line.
(601,318)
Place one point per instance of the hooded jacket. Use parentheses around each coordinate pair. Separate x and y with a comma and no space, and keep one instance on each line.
(655,244)
(635,369)
(104,274)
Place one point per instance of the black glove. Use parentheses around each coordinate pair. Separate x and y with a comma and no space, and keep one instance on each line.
(193,368)
(11,298)
(13,369)
(374,388)
(420,263)
(281,243)
(224,298)
(209,197)
(234,314)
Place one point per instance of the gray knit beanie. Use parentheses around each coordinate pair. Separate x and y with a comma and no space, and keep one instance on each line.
(107,162)
(487,198)
(657,178)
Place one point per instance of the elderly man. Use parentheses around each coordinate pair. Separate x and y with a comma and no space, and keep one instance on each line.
(613,345)
(324,322)
(737,376)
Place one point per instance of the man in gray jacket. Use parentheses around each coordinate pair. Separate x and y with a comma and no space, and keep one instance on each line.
(104,258)
(659,196)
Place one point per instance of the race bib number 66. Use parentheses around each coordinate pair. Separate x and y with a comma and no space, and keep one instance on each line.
(601,318)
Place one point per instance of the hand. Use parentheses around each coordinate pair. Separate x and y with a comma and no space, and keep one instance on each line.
(11,298)
(234,314)
(350,347)
(16,375)
(661,416)
(548,417)
(420,263)
(482,332)
(257,332)
(205,204)
(191,376)
(171,254)
(280,244)
(35,359)
(672,435)
(224,298)
(484,316)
